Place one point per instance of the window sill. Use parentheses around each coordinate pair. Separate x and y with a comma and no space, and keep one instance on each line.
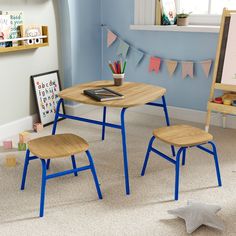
(175,28)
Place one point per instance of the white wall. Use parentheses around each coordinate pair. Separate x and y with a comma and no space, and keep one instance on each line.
(16,97)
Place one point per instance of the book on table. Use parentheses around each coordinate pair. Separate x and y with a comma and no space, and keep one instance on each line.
(103,94)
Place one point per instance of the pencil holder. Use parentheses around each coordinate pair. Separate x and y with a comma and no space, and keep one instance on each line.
(118,79)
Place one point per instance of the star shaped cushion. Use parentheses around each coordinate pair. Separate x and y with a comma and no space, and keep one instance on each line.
(196,214)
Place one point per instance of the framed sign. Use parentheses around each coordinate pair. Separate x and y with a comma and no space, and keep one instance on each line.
(46,88)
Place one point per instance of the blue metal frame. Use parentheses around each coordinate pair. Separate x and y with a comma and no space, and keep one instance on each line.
(176,162)
(46,177)
(105,124)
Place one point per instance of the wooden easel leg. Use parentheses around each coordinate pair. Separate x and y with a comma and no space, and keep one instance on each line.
(208,120)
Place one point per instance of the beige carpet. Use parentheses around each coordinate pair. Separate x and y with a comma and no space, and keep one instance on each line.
(72,206)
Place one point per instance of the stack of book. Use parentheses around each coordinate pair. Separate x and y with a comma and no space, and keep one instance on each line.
(9,26)
(155,12)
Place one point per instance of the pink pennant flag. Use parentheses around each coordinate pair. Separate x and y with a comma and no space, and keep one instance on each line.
(171,66)
(111,38)
(206,66)
(187,69)
(154,64)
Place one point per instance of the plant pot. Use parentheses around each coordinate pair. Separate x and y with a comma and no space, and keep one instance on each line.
(182,21)
(118,79)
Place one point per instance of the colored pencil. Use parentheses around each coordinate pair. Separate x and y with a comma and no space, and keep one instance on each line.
(111,67)
(118,67)
(121,66)
(124,67)
(115,68)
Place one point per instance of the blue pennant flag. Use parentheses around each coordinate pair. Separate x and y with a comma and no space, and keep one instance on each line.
(122,49)
(136,56)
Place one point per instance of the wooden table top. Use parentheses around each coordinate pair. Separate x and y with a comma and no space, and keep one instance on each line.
(135,93)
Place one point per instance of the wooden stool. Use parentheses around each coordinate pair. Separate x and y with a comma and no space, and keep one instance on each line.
(182,136)
(56,146)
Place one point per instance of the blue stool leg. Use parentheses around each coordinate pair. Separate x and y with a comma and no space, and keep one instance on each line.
(167,120)
(184,157)
(94,174)
(25,169)
(177,173)
(74,164)
(54,128)
(216,163)
(104,123)
(125,156)
(43,187)
(147,156)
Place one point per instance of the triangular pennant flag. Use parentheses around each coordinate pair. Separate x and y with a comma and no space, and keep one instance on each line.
(122,49)
(206,66)
(137,56)
(111,38)
(171,66)
(187,69)
(154,64)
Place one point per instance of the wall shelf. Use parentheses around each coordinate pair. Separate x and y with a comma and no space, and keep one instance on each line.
(22,46)
(175,28)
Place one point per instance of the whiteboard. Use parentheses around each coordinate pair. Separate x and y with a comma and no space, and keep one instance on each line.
(229,68)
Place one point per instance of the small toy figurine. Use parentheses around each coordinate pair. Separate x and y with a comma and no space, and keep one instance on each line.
(24,137)
(7,144)
(38,127)
(21,146)
(10,161)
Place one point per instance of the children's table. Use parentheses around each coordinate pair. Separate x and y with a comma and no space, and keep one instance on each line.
(135,94)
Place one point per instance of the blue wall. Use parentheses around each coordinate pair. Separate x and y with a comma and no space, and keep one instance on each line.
(188,93)
(81,40)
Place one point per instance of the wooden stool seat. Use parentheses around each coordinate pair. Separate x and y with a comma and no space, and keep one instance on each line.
(59,145)
(182,135)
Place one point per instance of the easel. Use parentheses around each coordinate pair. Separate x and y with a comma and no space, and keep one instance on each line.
(218,69)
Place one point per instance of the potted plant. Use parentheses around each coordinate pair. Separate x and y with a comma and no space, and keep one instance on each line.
(182,19)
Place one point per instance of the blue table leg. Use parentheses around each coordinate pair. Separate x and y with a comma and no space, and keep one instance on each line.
(104,123)
(94,174)
(167,120)
(216,163)
(74,164)
(43,187)
(184,157)
(147,156)
(54,128)
(25,169)
(125,156)
(177,172)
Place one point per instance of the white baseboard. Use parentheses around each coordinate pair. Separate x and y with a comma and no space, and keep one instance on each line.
(17,126)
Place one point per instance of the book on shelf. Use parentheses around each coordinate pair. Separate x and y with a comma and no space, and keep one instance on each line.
(5,28)
(158,12)
(16,19)
(103,94)
(169,15)
(31,31)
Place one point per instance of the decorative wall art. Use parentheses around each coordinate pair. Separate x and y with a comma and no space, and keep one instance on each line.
(47,87)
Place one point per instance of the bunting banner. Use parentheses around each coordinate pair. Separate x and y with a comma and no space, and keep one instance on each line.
(137,56)
(111,38)
(206,66)
(171,66)
(154,64)
(187,69)
(122,49)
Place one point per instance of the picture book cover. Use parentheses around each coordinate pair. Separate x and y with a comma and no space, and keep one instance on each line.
(169,16)
(32,31)
(5,28)
(103,94)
